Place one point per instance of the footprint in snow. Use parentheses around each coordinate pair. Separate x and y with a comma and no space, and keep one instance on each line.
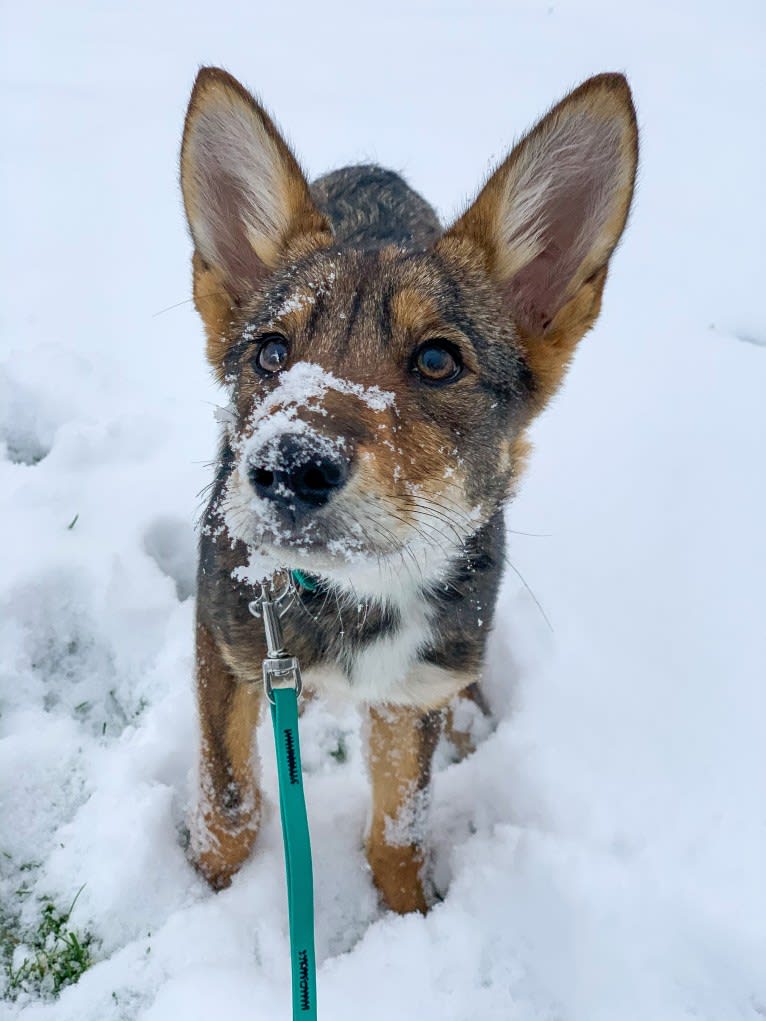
(26,433)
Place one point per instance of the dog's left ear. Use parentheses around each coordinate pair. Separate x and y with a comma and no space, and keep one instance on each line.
(547,221)
(247,201)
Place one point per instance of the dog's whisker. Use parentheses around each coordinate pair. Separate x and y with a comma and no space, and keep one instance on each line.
(526,585)
(402,549)
(420,507)
(186,301)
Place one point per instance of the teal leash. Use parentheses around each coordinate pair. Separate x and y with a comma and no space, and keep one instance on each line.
(283,684)
(295,833)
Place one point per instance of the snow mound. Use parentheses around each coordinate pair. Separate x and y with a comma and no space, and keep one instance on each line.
(601,855)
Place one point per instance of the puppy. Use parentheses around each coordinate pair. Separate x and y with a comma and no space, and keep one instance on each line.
(382,373)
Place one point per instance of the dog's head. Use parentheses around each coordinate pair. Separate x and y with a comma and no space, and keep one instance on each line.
(380,393)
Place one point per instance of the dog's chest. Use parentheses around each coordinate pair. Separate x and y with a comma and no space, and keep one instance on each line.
(386,667)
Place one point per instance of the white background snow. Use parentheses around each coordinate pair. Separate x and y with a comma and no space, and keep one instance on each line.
(604,851)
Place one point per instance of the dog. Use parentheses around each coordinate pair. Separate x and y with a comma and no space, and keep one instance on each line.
(382,373)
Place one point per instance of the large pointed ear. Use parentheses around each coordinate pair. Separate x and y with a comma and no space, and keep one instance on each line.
(547,221)
(247,201)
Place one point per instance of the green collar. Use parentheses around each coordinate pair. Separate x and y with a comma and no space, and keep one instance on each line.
(309,582)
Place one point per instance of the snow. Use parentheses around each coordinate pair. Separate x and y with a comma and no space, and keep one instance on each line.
(601,856)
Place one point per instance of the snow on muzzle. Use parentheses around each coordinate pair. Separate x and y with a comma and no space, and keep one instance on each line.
(299,471)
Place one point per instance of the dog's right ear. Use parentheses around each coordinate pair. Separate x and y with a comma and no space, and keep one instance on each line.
(246,199)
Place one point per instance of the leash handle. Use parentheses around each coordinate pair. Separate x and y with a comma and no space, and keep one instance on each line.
(295,834)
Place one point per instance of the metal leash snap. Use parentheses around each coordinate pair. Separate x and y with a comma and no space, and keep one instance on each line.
(279,669)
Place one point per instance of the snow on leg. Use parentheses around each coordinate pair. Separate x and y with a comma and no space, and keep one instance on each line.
(401,745)
(225,822)
(468,720)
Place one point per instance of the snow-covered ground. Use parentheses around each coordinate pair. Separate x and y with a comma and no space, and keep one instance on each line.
(604,851)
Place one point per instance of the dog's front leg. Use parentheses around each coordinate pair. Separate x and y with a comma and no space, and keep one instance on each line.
(225,823)
(401,745)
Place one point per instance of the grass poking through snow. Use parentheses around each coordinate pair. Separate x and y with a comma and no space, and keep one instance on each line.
(43,960)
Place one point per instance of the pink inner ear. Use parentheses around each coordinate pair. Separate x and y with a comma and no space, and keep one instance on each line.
(579,165)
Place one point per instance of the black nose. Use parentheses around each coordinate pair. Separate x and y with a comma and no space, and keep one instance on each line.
(295,474)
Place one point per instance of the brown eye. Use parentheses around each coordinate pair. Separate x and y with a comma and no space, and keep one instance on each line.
(437,361)
(272,354)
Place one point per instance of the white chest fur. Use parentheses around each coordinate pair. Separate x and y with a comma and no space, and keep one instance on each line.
(387,671)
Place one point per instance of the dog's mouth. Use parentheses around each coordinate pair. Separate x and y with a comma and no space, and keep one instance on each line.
(344,529)
(360,539)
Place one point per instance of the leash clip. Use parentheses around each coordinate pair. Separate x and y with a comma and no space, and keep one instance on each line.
(281,672)
(279,669)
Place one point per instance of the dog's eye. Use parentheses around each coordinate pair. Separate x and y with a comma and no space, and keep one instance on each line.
(437,361)
(271,355)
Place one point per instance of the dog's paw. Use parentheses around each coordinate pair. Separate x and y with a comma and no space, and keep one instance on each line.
(400,875)
(217,851)
(214,872)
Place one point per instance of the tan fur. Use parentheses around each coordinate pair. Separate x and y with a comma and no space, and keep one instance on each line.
(401,743)
(517,452)
(413,312)
(549,357)
(230,799)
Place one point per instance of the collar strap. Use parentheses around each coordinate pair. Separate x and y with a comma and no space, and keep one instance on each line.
(309,582)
